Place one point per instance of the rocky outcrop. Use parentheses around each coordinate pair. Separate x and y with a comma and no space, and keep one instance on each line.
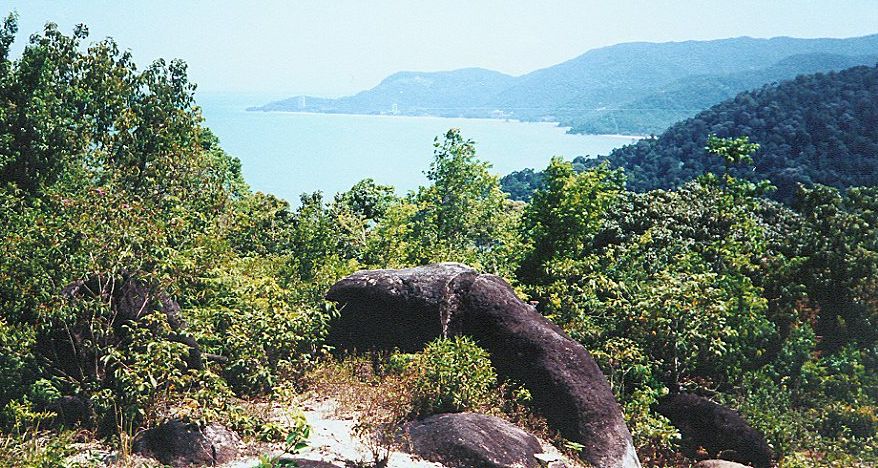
(181,444)
(387,309)
(405,309)
(719,430)
(469,439)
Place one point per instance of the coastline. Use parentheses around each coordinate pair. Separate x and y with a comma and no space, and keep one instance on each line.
(435,117)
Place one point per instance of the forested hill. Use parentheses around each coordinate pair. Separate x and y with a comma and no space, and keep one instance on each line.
(458,92)
(635,88)
(820,128)
(687,96)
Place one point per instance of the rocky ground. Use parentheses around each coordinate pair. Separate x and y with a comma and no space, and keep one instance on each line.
(332,443)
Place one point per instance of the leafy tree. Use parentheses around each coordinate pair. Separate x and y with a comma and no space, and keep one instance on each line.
(108,184)
(462,216)
(367,199)
(566,213)
(838,247)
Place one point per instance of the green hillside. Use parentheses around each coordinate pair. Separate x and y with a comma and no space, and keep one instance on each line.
(686,97)
(815,129)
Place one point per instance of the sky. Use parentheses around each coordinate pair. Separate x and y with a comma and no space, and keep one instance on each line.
(333,48)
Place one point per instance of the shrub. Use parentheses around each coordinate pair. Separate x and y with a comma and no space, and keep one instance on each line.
(841,419)
(452,375)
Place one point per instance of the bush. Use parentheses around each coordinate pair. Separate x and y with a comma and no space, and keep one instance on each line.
(841,419)
(452,375)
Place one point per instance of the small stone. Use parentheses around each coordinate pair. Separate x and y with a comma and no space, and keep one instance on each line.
(547,459)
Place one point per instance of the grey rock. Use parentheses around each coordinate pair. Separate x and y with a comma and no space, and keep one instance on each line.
(405,309)
(70,411)
(719,464)
(470,439)
(181,444)
(720,430)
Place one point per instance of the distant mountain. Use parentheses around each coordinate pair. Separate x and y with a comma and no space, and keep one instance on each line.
(451,93)
(687,96)
(820,128)
(587,92)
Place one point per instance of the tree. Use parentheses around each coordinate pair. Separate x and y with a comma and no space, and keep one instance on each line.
(461,216)
(565,214)
(367,199)
(732,151)
(112,192)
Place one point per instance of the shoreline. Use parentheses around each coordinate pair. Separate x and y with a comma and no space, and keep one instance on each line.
(484,119)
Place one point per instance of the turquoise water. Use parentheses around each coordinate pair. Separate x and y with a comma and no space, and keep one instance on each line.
(290,153)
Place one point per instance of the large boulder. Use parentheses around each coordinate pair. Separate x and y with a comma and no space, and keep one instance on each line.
(182,444)
(395,309)
(469,439)
(719,430)
(405,309)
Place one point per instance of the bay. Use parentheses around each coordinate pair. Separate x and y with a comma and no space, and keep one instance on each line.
(287,154)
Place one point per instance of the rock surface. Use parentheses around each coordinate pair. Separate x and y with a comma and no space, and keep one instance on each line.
(387,309)
(70,411)
(720,430)
(719,464)
(469,439)
(405,309)
(181,444)
(131,299)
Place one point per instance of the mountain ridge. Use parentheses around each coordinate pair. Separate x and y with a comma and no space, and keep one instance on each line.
(583,90)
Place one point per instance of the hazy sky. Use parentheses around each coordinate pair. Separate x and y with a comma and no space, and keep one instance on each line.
(332,48)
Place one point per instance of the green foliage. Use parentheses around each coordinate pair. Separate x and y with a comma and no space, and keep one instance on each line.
(108,184)
(653,434)
(462,216)
(38,450)
(294,442)
(710,287)
(837,242)
(129,239)
(17,361)
(520,185)
(261,326)
(815,129)
(452,375)
(565,214)
(367,199)
(732,151)
(669,271)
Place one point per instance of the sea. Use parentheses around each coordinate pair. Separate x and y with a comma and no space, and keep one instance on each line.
(290,153)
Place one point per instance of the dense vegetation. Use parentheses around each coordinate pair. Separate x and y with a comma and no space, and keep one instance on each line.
(633,88)
(683,98)
(815,129)
(520,185)
(123,222)
(112,193)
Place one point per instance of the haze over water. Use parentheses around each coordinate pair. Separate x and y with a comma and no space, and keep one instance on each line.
(287,154)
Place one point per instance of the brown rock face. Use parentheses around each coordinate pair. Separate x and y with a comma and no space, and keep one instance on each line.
(405,309)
